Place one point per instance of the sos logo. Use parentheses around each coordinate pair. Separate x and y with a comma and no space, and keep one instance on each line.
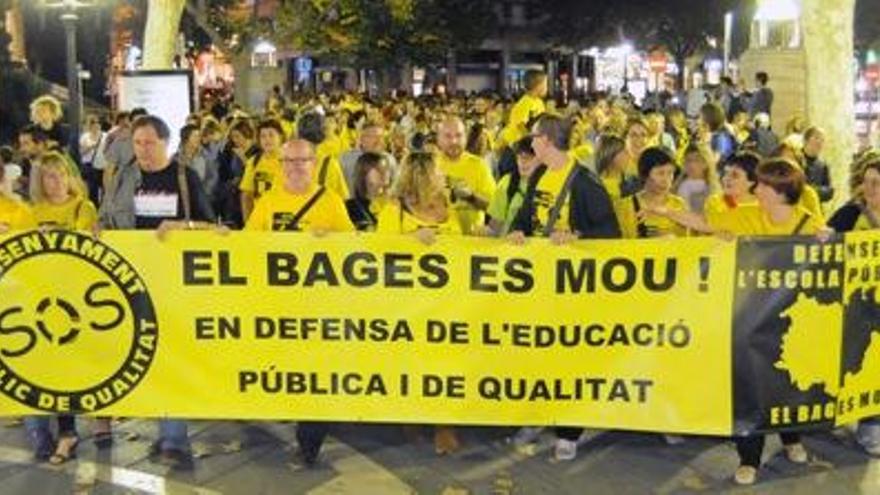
(78,330)
(61,336)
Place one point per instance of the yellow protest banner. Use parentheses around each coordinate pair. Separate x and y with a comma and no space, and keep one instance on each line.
(617,334)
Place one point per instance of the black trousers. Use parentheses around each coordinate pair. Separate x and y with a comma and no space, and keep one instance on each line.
(66,426)
(310,436)
(94,180)
(750,448)
(571,434)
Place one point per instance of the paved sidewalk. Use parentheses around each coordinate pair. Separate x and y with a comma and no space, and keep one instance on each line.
(256,458)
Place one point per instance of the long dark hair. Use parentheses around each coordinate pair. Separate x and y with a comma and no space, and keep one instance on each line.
(365,163)
(473,139)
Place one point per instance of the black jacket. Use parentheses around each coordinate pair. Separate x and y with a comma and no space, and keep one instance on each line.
(844,219)
(819,177)
(591,212)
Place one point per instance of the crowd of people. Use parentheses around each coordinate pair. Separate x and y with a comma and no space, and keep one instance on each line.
(602,168)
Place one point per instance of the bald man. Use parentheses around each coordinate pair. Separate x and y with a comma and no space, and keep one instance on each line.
(301,204)
(468,176)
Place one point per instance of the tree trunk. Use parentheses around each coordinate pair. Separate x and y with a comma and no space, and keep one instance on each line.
(451,72)
(160,35)
(681,63)
(828,48)
(15,27)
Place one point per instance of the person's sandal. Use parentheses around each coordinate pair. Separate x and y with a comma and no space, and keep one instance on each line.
(745,475)
(445,440)
(797,453)
(65,450)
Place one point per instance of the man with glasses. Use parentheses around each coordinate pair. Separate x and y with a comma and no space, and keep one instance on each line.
(301,204)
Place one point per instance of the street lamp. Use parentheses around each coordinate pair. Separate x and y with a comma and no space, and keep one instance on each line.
(778,10)
(69,18)
(784,13)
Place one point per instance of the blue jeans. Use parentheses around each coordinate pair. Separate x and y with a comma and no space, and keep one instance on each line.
(173,435)
(39,432)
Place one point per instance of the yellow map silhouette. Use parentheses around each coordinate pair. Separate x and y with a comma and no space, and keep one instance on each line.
(811,347)
(868,377)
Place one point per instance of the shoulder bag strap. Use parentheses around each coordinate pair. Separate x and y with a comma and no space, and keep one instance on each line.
(306,207)
(641,228)
(322,175)
(183,185)
(801,224)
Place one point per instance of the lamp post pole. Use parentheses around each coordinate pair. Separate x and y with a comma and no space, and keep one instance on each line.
(69,18)
(728,29)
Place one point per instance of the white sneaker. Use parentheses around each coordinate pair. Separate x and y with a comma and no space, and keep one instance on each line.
(526,435)
(796,453)
(745,475)
(565,450)
(868,436)
(673,439)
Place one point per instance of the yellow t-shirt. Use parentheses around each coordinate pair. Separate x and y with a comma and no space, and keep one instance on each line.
(351,105)
(260,173)
(546,191)
(810,202)
(16,214)
(289,128)
(753,220)
(276,212)
(527,108)
(75,214)
(471,171)
(327,153)
(347,139)
(862,223)
(332,145)
(395,220)
(612,185)
(581,152)
(657,226)
(716,204)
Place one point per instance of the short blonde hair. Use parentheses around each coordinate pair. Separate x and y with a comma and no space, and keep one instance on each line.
(55,161)
(47,101)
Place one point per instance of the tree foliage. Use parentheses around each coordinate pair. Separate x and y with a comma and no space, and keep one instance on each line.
(579,25)
(867,25)
(358,33)
(5,38)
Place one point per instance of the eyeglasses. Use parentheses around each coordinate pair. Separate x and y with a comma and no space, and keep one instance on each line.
(297,161)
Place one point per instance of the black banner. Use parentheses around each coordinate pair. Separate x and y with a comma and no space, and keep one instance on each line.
(787,334)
